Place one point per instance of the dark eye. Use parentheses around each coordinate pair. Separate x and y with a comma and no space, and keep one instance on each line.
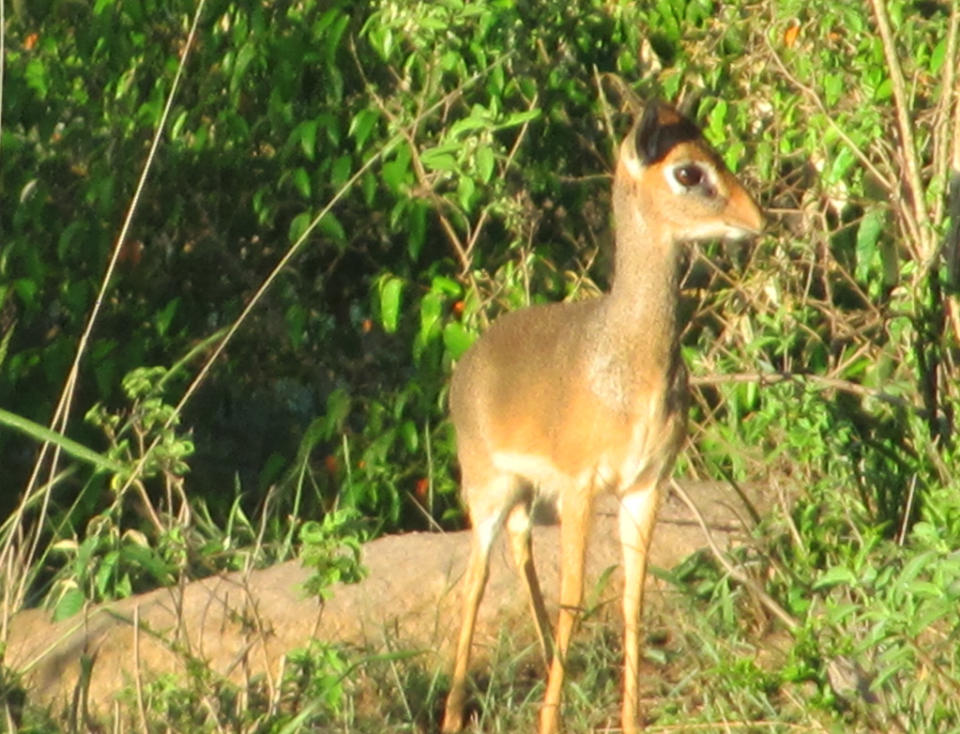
(689,175)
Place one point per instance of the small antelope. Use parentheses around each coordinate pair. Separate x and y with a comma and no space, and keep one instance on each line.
(563,401)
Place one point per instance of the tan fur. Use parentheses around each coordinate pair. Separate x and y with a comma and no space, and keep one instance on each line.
(561,402)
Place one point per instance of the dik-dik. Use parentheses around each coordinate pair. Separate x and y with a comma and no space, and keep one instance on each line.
(560,402)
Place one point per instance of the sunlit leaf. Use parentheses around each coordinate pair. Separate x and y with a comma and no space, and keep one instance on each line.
(390,288)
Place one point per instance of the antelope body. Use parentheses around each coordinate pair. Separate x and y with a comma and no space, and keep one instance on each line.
(561,402)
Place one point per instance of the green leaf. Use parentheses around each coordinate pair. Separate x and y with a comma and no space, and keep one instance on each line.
(362,125)
(396,173)
(447,286)
(440,158)
(466,189)
(296,319)
(416,228)
(42,433)
(176,129)
(456,339)
(450,61)
(306,132)
(298,226)
(410,435)
(26,289)
(301,180)
(485,163)
(916,566)
(716,121)
(390,290)
(332,41)
(884,91)
(833,88)
(245,57)
(149,561)
(341,170)
(518,118)
(332,228)
(69,604)
(103,579)
(368,186)
(431,308)
(164,317)
(479,119)
(840,165)
(36,77)
(836,576)
(868,255)
(938,56)
(338,409)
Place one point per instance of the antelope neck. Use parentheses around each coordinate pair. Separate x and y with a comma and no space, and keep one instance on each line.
(642,303)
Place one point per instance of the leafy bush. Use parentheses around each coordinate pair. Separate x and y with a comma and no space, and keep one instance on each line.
(416,168)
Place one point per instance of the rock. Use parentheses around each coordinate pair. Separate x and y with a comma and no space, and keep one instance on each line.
(243,624)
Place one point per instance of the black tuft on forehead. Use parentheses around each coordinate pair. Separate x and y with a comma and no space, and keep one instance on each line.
(660,130)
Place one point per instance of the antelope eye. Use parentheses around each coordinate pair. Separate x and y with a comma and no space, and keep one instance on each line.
(689,175)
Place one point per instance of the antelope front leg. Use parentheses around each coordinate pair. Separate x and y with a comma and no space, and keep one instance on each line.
(638,512)
(474,585)
(574,526)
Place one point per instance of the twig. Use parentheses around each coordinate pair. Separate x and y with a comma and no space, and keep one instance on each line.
(61,415)
(905,520)
(952,242)
(944,118)
(768,601)
(726,725)
(409,133)
(506,167)
(815,98)
(908,147)
(829,382)
(285,260)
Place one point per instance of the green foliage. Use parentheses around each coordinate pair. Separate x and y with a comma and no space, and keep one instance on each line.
(316,681)
(468,143)
(311,694)
(331,548)
(144,440)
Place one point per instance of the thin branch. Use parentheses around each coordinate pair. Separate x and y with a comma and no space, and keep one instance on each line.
(948,99)
(908,146)
(61,415)
(286,259)
(409,133)
(952,242)
(768,601)
(506,167)
(828,382)
(887,184)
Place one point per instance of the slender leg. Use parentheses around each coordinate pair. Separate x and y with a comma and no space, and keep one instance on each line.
(574,526)
(638,511)
(475,583)
(518,526)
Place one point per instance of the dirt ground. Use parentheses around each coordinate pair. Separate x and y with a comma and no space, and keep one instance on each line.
(243,625)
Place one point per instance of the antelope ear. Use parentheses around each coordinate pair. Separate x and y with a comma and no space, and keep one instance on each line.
(646,138)
(659,130)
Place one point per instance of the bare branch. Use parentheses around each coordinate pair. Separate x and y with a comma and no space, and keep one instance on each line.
(908,146)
